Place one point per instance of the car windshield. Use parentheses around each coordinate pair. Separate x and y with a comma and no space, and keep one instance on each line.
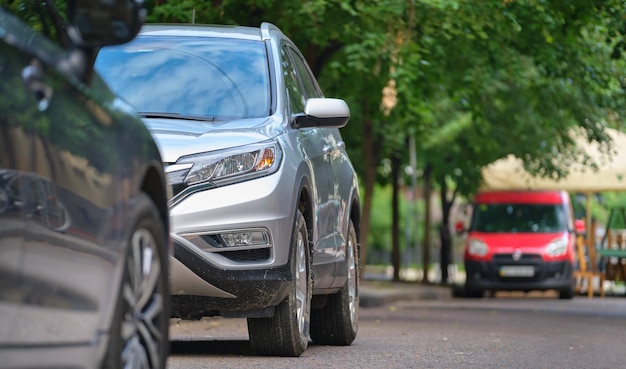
(514,218)
(207,78)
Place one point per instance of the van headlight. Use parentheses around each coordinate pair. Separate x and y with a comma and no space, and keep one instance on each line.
(557,247)
(477,247)
(231,165)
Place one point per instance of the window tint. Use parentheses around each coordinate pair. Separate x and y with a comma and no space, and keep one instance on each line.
(290,75)
(190,76)
(518,218)
(308,81)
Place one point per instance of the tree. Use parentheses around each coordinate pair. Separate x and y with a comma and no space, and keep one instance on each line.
(472,81)
(521,74)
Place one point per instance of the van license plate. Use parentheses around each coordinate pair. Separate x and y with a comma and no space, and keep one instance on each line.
(517,271)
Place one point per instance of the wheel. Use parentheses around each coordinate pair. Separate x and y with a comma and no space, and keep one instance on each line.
(139,333)
(287,332)
(337,322)
(474,293)
(569,292)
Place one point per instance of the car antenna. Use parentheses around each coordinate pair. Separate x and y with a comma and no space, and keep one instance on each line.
(193,16)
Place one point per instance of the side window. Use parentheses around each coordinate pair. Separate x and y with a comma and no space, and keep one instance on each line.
(290,75)
(311,88)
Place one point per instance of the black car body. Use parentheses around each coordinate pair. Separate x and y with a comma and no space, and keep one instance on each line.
(83,216)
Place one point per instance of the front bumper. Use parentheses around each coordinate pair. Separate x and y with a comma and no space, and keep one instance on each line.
(212,291)
(487,275)
(208,278)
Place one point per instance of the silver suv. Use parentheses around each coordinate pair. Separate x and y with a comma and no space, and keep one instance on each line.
(264,205)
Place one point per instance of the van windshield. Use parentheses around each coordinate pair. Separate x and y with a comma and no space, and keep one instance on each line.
(514,218)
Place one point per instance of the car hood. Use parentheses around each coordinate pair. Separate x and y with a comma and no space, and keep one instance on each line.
(176,137)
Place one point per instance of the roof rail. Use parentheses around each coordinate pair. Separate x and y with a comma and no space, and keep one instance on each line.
(266,27)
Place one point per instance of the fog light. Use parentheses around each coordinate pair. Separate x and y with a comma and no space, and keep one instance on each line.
(245,238)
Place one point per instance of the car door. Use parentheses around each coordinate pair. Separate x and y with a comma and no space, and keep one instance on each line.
(53,168)
(340,173)
(12,229)
(319,147)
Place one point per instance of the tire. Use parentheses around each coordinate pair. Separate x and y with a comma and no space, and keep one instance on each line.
(568,293)
(139,333)
(474,293)
(287,332)
(337,322)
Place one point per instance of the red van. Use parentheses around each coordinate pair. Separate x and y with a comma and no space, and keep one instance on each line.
(522,241)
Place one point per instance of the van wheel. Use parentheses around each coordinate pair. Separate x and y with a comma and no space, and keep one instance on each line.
(337,322)
(287,332)
(568,293)
(474,293)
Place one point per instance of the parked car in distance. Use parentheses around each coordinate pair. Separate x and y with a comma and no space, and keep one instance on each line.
(265,203)
(520,241)
(84,223)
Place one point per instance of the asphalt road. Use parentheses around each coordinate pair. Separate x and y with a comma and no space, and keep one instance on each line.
(427,328)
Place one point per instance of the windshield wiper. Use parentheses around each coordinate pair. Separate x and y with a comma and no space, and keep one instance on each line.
(144,114)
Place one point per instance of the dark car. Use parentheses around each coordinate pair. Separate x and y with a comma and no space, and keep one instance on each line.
(84,223)
(265,201)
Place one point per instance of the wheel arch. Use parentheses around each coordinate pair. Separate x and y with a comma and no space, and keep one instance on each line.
(305,205)
(355,215)
(153,184)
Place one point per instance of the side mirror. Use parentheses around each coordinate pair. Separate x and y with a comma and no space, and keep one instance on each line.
(323,112)
(459,228)
(97,23)
(579,226)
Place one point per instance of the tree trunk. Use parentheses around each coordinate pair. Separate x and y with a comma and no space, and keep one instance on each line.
(369,181)
(427,221)
(444,230)
(444,235)
(395,217)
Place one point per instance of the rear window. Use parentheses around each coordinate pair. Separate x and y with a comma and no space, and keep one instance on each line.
(205,77)
(518,218)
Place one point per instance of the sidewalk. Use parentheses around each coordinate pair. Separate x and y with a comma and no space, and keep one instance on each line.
(377,287)
(376,293)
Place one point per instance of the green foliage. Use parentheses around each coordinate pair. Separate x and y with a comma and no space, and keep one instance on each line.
(607,202)
(380,235)
(41,16)
(525,72)
(474,80)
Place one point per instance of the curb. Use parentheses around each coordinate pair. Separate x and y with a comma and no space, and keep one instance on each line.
(378,293)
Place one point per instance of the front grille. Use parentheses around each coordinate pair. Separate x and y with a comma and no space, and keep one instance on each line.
(502,260)
(525,258)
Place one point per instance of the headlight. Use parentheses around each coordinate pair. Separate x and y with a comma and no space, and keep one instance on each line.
(232,165)
(477,247)
(557,247)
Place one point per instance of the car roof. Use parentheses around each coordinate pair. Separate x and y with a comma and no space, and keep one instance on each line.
(522,197)
(203,30)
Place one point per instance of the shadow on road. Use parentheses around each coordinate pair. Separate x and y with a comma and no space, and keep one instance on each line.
(216,347)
